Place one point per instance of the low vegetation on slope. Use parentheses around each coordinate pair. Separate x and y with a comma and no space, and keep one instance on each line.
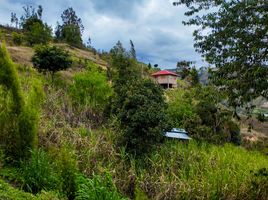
(97,133)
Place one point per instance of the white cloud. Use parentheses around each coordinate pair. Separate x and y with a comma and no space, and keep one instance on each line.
(154,26)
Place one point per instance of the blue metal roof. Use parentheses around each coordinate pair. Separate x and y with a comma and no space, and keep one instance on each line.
(177,133)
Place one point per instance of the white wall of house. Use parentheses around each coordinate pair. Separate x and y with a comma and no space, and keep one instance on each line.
(167,79)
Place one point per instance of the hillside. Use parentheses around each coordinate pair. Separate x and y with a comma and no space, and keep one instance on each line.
(22,54)
(92,133)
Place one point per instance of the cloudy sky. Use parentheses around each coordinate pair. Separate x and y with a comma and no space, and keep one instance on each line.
(153,25)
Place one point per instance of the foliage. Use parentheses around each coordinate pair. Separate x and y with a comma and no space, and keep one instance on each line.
(201,112)
(19,116)
(17,38)
(91,89)
(67,170)
(37,174)
(132,50)
(7,192)
(180,107)
(51,59)
(202,170)
(97,188)
(123,71)
(38,33)
(260,183)
(141,116)
(71,29)
(232,36)
(122,62)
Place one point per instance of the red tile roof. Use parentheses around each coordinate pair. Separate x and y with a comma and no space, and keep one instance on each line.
(164,72)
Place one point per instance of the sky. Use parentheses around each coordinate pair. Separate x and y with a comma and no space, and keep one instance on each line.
(155,26)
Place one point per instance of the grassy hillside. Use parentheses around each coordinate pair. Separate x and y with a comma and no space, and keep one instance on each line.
(79,156)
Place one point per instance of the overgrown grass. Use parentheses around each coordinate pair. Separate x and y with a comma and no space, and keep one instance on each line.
(192,171)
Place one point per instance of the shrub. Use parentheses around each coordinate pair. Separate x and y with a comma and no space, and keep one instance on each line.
(51,59)
(67,170)
(142,117)
(180,107)
(91,89)
(38,33)
(18,116)
(38,174)
(17,38)
(259,183)
(97,188)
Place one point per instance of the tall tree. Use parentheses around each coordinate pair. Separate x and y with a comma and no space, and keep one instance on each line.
(232,36)
(36,31)
(71,29)
(14,19)
(184,68)
(132,50)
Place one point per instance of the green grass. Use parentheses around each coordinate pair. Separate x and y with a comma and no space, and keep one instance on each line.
(202,171)
(7,192)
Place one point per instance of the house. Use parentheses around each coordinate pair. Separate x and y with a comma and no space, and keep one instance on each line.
(166,79)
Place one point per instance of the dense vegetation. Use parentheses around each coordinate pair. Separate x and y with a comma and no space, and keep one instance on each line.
(97,133)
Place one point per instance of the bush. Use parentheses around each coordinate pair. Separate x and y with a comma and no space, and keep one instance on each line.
(67,170)
(38,173)
(17,38)
(97,188)
(51,59)
(91,89)
(259,183)
(38,33)
(142,117)
(180,107)
(18,116)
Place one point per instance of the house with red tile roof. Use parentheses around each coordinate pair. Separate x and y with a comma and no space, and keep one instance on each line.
(166,79)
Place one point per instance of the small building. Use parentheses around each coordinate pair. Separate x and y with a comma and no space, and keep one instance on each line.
(166,79)
(177,133)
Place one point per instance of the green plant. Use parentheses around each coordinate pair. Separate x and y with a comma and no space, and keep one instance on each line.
(51,59)
(19,116)
(259,183)
(91,89)
(141,117)
(38,33)
(17,38)
(67,170)
(71,29)
(97,188)
(180,107)
(38,173)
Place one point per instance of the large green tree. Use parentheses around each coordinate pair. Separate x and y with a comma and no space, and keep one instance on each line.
(141,116)
(36,31)
(71,29)
(232,36)
(51,59)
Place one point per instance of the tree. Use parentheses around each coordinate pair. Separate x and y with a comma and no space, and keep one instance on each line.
(194,76)
(71,29)
(232,36)
(142,117)
(149,66)
(51,59)
(14,19)
(183,68)
(18,117)
(36,31)
(132,50)
(125,69)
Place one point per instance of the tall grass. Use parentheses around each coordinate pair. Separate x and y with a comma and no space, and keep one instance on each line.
(194,171)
